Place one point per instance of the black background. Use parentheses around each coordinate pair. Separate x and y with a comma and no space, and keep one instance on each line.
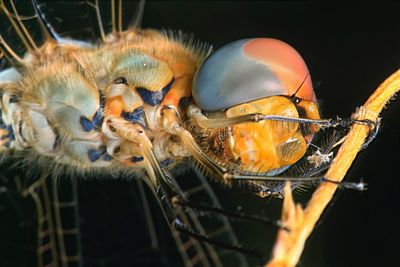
(349,49)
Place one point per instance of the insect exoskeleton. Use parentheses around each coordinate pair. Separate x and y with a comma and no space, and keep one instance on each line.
(111,106)
(248,90)
(103,106)
(121,104)
(139,75)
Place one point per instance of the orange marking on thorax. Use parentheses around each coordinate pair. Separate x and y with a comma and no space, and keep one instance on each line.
(183,69)
(114,106)
(182,87)
(129,163)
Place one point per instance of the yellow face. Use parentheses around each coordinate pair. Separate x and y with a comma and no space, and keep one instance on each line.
(269,145)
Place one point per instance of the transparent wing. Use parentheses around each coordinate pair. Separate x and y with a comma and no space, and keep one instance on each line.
(21,29)
(91,19)
(196,189)
(17,224)
(215,227)
(70,19)
(116,219)
(26,25)
(66,216)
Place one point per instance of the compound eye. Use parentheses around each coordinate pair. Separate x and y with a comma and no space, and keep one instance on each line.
(250,69)
(121,80)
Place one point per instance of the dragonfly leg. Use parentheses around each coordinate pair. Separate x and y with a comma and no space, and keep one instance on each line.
(172,125)
(204,122)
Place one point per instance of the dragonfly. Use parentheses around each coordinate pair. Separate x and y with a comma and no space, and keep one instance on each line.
(102,115)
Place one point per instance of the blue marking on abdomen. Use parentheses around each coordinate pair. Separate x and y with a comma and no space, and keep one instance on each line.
(87,125)
(90,125)
(8,128)
(96,154)
(154,98)
(136,159)
(136,116)
(98,116)
(2,124)
(106,157)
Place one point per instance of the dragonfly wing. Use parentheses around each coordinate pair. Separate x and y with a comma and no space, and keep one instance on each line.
(195,188)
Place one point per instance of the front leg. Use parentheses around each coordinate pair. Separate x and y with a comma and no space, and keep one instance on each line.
(134,141)
(252,182)
(171,124)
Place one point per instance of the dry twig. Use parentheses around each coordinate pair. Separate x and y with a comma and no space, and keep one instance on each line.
(289,244)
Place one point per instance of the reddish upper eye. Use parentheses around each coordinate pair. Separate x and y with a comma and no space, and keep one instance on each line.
(251,69)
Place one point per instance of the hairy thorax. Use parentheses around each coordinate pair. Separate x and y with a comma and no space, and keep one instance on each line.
(88,105)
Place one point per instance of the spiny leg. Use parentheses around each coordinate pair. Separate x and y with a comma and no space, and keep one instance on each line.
(172,125)
(204,122)
(228,214)
(162,186)
(184,230)
(135,133)
(165,188)
(183,227)
(219,227)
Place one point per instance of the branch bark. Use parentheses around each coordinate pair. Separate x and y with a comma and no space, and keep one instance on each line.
(290,244)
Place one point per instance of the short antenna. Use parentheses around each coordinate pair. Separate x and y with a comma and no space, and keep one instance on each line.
(298,89)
